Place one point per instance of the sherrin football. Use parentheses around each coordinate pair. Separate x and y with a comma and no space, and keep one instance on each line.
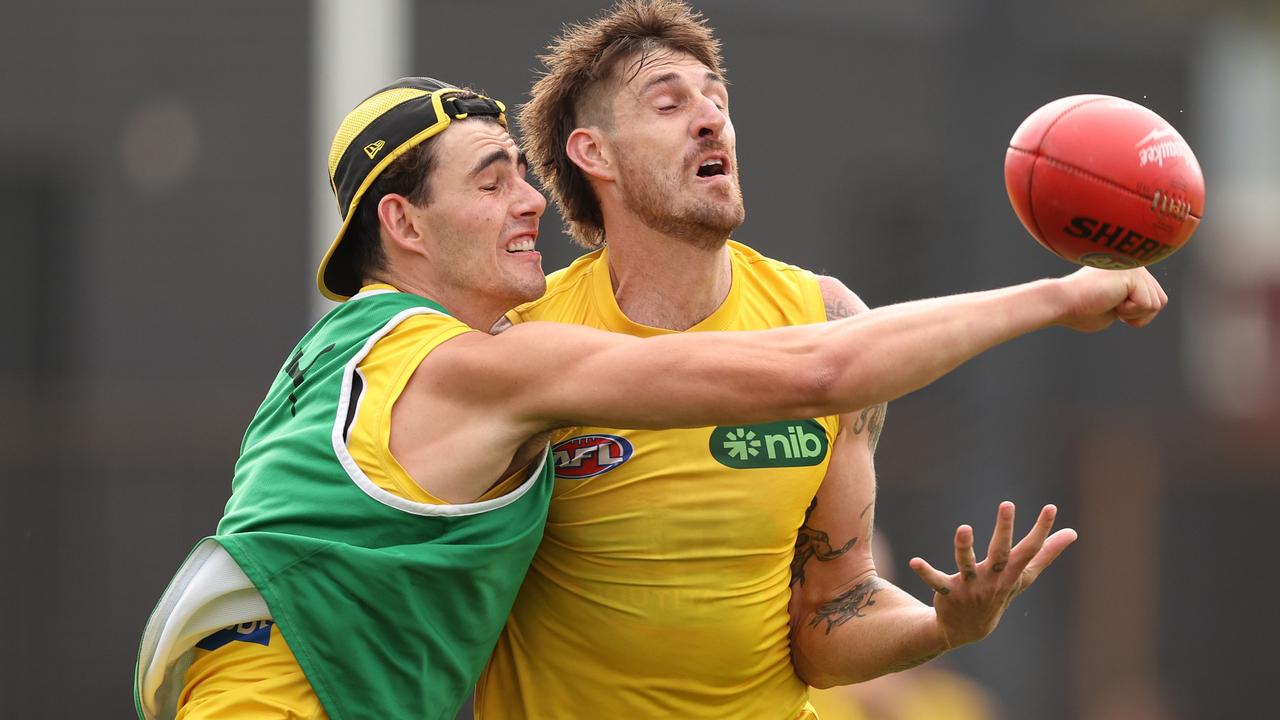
(1103,181)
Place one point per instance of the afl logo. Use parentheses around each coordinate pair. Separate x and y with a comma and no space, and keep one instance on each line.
(590,455)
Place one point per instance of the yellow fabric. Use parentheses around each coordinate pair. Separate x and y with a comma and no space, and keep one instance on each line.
(917,694)
(661,586)
(248,681)
(385,372)
(837,703)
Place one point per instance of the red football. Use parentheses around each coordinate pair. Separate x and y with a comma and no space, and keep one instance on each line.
(1103,181)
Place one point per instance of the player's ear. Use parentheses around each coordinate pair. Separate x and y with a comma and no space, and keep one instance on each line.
(397,221)
(589,149)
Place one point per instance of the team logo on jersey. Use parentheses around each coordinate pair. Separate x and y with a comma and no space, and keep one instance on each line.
(586,456)
(790,443)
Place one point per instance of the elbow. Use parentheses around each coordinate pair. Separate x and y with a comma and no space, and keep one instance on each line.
(820,664)
(809,671)
(815,659)
(827,383)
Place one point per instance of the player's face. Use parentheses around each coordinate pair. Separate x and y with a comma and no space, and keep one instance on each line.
(676,149)
(482,215)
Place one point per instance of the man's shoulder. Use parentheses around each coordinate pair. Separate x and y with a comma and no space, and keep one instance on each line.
(566,288)
(775,279)
(755,261)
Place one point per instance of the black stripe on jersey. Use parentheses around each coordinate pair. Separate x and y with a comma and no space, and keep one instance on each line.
(353,405)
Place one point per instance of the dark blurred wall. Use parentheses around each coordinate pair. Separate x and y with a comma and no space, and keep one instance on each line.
(152,163)
(154,183)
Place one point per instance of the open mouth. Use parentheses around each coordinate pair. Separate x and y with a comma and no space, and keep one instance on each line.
(524,244)
(711,167)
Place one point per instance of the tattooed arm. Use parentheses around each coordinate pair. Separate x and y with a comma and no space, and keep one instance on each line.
(850,625)
(838,602)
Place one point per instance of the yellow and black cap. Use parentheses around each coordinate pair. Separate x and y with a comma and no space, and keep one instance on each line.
(372,136)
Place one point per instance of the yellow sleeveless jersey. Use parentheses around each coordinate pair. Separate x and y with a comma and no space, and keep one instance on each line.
(662,582)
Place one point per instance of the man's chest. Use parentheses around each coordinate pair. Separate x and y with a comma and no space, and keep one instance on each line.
(681,493)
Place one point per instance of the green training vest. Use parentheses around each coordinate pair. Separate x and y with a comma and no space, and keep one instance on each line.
(391,607)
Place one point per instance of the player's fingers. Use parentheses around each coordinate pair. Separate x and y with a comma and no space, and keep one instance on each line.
(1145,301)
(1030,545)
(1134,314)
(932,577)
(1159,296)
(1049,552)
(1002,538)
(966,563)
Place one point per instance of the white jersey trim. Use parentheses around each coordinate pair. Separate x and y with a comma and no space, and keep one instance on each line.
(370,488)
(208,593)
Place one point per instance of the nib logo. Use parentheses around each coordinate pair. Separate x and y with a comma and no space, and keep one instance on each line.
(742,444)
(791,443)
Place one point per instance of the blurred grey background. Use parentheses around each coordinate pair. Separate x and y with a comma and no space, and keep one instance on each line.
(163,198)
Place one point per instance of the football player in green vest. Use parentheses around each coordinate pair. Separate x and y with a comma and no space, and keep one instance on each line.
(393,485)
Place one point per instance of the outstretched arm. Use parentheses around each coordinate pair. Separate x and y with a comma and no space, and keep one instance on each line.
(848,632)
(495,392)
(847,623)
(546,375)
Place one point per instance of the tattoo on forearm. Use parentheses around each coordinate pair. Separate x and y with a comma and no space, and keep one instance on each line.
(849,604)
(913,663)
(814,543)
(873,418)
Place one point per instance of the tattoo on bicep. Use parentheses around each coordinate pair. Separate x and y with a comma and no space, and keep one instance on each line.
(814,543)
(848,604)
(873,418)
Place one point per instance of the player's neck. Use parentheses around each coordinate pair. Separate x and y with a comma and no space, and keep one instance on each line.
(474,309)
(664,282)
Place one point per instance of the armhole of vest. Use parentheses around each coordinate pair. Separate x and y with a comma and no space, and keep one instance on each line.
(392,500)
(376,426)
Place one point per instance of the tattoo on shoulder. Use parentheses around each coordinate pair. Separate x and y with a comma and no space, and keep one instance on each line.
(873,418)
(848,604)
(838,308)
(814,543)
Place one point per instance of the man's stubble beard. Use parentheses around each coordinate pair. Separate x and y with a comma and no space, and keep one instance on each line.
(705,225)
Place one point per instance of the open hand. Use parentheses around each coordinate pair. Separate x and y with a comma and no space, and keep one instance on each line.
(969,603)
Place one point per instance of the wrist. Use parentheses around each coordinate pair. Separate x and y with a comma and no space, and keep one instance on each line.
(941,640)
(1050,301)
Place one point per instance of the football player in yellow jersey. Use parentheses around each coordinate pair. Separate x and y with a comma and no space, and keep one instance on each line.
(394,483)
(683,570)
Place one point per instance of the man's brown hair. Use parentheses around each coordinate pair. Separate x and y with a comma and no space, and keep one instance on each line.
(580,63)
